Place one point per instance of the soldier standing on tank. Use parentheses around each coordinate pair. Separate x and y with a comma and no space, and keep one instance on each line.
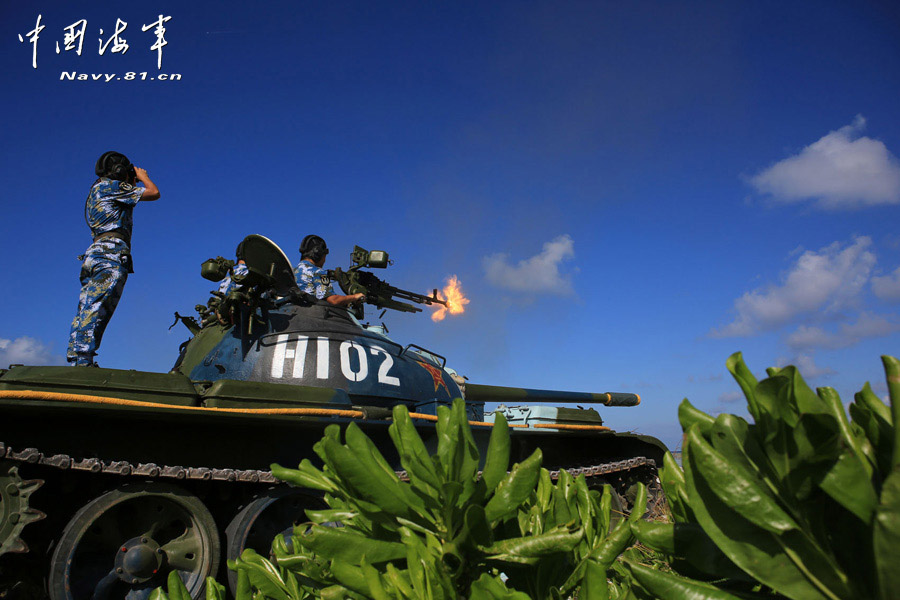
(107,261)
(313,279)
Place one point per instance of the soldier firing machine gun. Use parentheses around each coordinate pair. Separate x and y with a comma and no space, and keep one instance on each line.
(270,281)
(378,293)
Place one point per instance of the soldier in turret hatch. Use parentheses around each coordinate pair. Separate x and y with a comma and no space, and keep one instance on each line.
(313,279)
(107,261)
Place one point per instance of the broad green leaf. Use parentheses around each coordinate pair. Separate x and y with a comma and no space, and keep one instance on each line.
(666,586)
(263,575)
(497,456)
(336,543)
(689,542)
(614,544)
(492,588)
(736,487)
(350,576)
(176,588)
(833,403)
(514,489)
(594,585)
(886,535)
(558,540)
(369,483)
(307,476)
(799,571)
(373,580)
(745,378)
(214,589)
(400,581)
(689,415)
(340,515)
(849,484)
(475,530)
(413,454)
(892,373)
(369,458)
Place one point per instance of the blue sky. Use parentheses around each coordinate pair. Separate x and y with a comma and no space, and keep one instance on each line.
(628,192)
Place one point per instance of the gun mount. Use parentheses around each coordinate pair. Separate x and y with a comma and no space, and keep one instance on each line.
(378,293)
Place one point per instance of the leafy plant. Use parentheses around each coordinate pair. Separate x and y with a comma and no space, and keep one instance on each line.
(448,532)
(804,500)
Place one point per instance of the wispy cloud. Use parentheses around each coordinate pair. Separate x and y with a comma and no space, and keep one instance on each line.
(27,351)
(730,397)
(807,366)
(822,283)
(867,325)
(539,274)
(840,170)
(888,287)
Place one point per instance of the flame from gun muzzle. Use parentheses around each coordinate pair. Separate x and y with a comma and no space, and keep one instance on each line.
(456,300)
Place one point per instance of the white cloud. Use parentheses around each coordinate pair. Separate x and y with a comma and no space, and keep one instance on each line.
(820,282)
(841,170)
(537,275)
(867,325)
(888,287)
(27,351)
(807,366)
(731,397)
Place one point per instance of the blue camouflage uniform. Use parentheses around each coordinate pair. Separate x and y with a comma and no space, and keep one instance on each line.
(313,280)
(235,275)
(107,263)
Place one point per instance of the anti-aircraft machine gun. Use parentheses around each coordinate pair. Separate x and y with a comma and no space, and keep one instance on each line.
(110,480)
(378,293)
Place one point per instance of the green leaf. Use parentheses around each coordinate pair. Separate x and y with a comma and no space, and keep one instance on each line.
(337,543)
(792,566)
(850,486)
(493,588)
(688,415)
(833,403)
(514,489)
(886,536)
(561,539)
(350,576)
(670,587)
(263,575)
(214,589)
(177,590)
(497,458)
(736,487)
(892,373)
(689,542)
(594,586)
(307,476)
(414,456)
(364,478)
(745,378)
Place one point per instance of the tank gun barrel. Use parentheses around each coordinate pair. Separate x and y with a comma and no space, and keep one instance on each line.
(493,393)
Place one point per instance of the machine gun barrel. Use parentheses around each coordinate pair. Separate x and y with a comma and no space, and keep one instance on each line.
(378,293)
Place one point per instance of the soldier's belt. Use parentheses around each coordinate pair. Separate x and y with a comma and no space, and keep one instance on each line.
(115,234)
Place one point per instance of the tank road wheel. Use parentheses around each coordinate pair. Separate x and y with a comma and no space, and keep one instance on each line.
(124,544)
(14,511)
(274,511)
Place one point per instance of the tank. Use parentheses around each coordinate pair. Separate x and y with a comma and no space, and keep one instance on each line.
(111,479)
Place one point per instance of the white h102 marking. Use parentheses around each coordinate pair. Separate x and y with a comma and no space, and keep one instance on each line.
(297,354)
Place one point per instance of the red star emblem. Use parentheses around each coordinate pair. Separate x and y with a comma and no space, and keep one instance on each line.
(436,374)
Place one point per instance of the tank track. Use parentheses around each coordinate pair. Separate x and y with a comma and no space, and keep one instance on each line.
(152,470)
